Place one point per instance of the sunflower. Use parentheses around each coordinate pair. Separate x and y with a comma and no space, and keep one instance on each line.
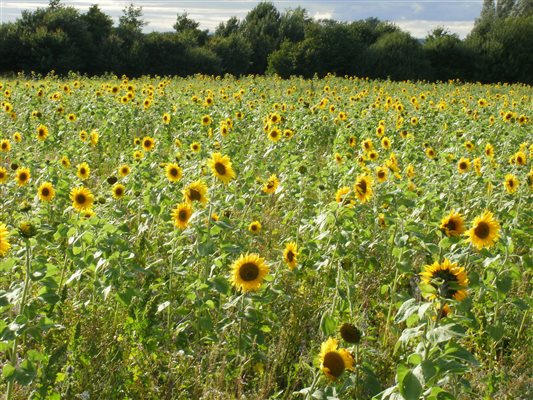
(485,231)
(381,174)
(138,155)
(290,255)
(520,158)
(477,166)
(196,147)
(46,191)
(5,145)
(350,333)
(42,132)
(367,145)
(83,136)
(334,361)
(3,175)
(248,272)
(82,198)
(148,143)
(410,171)
(118,191)
(271,184)
(363,188)
(529,177)
(196,191)
(511,183)
(65,162)
(274,134)
(94,138)
(448,278)
(453,224)
(83,171)
(206,120)
(489,150)
(181,215)
(173,172)
(124,170)
(166,118)
(17,137)
(23,176)
(430,152)
(221,167)
(4,242)
(340,195)
(463,165)
(385,143)
(255,227)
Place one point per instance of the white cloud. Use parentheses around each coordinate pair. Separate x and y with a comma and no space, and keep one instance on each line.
(420,28)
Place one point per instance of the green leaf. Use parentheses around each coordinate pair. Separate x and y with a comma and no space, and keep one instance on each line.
(328,325)
(495,331)
(408,308)
(444,333)
(504,284)
(8,371)
(410,387)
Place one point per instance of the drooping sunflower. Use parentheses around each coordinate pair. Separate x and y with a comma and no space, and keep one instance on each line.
(124,170)
(334,361)
(448,278)
(255,227)
(511,183)
(463,165)
(452,224)
(23,176)
(529,177)
(271,185)
(248,272)
(290,255)
(82,198)
(83,171)
(181,215)
(196,191)
(42,132)
(46,191)
(173,172)
(3,175)
(4,241)
(221,167)
(148,143)
(350,333)
(489,150)
(118,191)
(485,231)
(363,188)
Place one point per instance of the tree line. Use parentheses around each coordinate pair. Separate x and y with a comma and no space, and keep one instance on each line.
(60,38)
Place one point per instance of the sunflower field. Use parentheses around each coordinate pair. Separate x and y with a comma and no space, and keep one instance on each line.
(259,238)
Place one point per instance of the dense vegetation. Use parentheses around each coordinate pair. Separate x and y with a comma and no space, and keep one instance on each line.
(59,38)
(208,238)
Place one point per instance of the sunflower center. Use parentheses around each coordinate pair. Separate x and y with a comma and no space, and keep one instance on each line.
(362,186)
(195,195)
(510,182)
(80,198)
(23,176)
(254,227)
(4,146)
(118,191)
(83,171)
(182,215)
(335,363)
(482,230)
(249,272)
(451,225)
(290,256)
(462,165)
(381,174)
(447,278)
(220,168)
(174,171)
(45,191)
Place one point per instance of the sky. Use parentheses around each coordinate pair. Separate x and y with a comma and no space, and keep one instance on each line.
(416,17)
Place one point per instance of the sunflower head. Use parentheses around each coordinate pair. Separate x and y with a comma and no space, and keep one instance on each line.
(334,361)
(118,191)
(82,198)
(463,165)
(485,231)
(452,224)
(511,183)
(181,215)
(255,227)
(363,188)
(148,143)
(448,278)
(3,175)
(221,167)
(248,272)
(350,333)
(341,195)
(83,171)
(196,191)
(4,240)
(46,191)
(124,170)
(290,255)
(23,176)
(173,172)
(271,185)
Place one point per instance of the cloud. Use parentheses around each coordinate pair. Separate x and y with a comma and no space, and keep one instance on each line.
(420,28)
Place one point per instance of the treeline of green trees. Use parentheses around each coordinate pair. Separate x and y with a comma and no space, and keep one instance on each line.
(60,38)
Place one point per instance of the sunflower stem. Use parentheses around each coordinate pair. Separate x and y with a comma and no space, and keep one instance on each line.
(21,311)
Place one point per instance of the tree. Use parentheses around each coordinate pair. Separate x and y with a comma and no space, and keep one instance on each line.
(231,26)
(188,30)
(131,19)
(446,54)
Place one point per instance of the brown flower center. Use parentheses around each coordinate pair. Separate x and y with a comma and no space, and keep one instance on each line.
(362,186)
(23,177)
(183,215)
(482,230)
(249,271)
(290,256)
(80,198)
(335,363)
(220,168)
(45,191)
(195,195)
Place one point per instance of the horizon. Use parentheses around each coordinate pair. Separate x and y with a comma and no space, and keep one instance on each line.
(416,17)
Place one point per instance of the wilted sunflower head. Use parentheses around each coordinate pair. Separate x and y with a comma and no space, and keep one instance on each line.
(350,333)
